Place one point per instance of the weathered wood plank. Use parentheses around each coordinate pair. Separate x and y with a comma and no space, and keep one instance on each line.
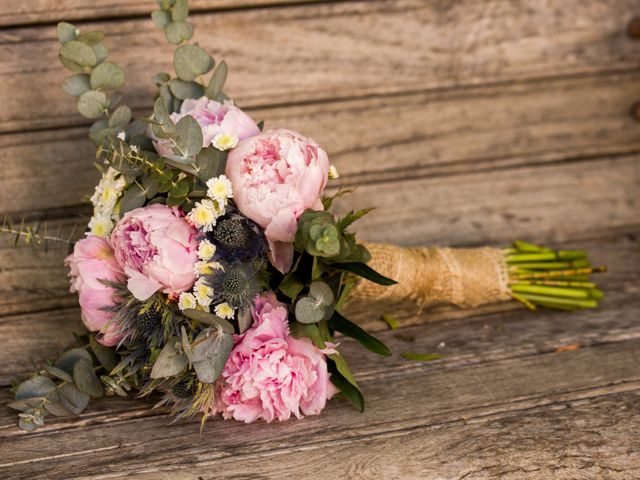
(340,50)
(41,11)
(430,133)
(431,396)
(544,203)
(581,439)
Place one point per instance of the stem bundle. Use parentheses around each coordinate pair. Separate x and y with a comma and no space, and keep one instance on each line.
(540,276)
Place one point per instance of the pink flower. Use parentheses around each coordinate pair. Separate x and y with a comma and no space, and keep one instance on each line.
(93,260)
(270,374)
(276,176)
(157,249)
(214,118)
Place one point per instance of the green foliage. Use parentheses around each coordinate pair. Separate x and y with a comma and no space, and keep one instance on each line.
(318,305)
(92,104)
(191,62)
(343,379)
(209,353)
(172,18)
(171,361)
(217,81)
(340,324)
(107,76)
(77,84)
(36,235)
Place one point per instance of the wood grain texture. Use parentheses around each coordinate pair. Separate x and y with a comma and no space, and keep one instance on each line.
(430,396)
(381,137)
(42,11)
(339,50)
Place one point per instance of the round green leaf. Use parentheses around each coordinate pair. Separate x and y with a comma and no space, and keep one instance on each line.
(85,378)
(161,78)
(171,360)
(120,117)
(161,18)
(321,293)
(107,76)
(183,90)
(101,51)
(91,38)
(72,399)
(38,386)
(308,311)
(66,32)
(79,53)
(189,137)
(210,352)
(77,84)
(178,32)
(69,358)
(58,373)
(180,10)
(92,104)
(191,61)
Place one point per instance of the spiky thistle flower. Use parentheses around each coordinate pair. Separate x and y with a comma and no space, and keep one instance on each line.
(237,284)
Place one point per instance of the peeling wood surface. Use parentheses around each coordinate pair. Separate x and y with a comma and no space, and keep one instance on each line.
(465,123)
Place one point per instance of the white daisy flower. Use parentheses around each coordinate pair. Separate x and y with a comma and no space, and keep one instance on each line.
(206,250)
(333,172)
(206,268)
(225,141)
(219,188)
(122,136)
(224,310)
(101,225)
(203,293)
(187,301)
(204,215)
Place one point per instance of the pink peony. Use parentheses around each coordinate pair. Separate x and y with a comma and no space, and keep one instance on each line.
(214,118)
(270,374)
(93,260)
(276,176)
(157,249)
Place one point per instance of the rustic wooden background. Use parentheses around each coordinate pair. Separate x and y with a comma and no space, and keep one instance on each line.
(466,122)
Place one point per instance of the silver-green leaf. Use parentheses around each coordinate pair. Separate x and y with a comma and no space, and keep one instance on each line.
(85,379)
(76,84)
(210,351)
(189,137)
(120,117)
(178,32)
(218,78)
(191,61)
(66,32)
(171,360)
(78,53)
(38,386)
(107,76)
(92,104)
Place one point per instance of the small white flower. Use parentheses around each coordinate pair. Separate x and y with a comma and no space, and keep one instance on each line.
(203,293)
(225,141)
(135,148)
(206,250)
(122,136)
(224,310)
(206,268)
(187,301)
(333,172)
(204,215)
(219,188)
(101,225)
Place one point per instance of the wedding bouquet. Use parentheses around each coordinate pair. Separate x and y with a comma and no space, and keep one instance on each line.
(213,270)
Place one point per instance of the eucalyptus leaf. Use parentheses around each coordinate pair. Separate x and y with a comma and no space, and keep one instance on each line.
(69,358)
(210,351)
(189,137)
(245,319)
(161,18)
(307,311)
(86,380)
(317,306)
(182,89)
(107,76)
(210,319)
(53,405)
(161,78)
(120,117)
(105,355)
(58,373)
(217,81)
(161,113)
(92,104)
(38,386)
(171,360)
(191,61)
(180,189)
(79,53)
(178,32)
(66,32)
(72,399)
(77,84)
(133,197)
(210,163)
(91,38)
(31,422)
(180,10)
(101,130)
(101,51)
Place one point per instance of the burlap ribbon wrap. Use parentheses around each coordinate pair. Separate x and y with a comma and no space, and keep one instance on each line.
(466,277)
